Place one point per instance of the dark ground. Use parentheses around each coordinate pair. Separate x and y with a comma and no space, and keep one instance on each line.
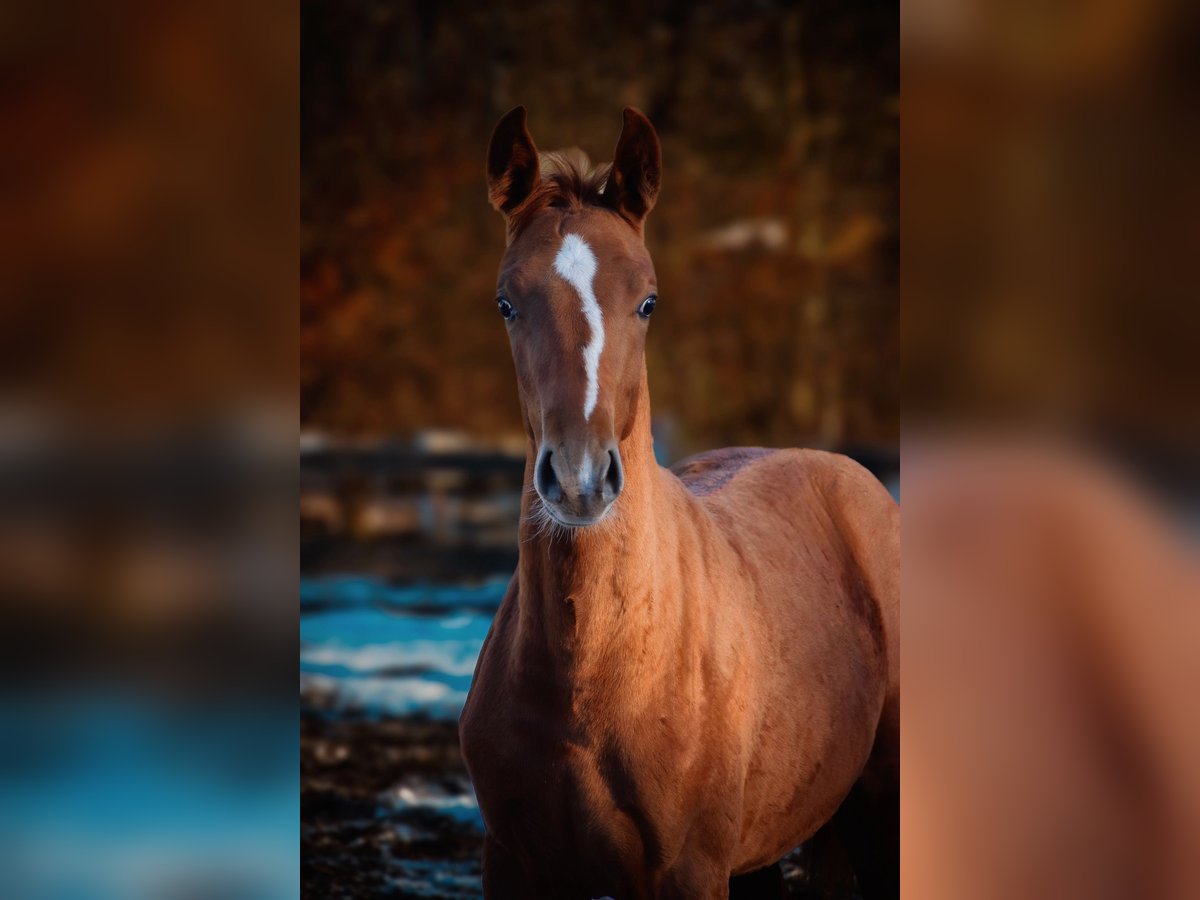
(356,842)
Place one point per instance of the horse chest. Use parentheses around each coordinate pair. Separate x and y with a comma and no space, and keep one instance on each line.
(597,798)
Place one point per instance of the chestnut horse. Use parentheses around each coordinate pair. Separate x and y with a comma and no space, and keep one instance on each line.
(692,671)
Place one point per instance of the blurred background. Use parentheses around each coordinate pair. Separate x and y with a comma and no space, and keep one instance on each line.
(1052,218)
(775,238)
(776,244)
(149,212)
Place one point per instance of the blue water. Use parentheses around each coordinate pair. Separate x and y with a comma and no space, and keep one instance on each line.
(108,794)
(377,649)
(373,649)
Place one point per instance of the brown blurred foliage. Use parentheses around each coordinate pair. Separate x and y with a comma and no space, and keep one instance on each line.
(1052,215)
(148,224)
(147,207)
(775,237)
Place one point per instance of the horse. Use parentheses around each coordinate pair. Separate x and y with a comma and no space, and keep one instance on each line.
(692,671)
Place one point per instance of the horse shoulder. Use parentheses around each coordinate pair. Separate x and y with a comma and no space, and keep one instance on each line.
(827,501)
(865,521)
(862,514)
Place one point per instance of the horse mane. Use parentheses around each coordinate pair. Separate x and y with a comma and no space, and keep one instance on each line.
(568,181)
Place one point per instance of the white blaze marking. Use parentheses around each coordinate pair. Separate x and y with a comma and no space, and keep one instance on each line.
(577,265)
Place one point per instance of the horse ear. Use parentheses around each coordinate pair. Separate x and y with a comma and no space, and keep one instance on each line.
(636,173)
(512,162)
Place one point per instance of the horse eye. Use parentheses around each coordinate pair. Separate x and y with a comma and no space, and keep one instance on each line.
(647,306)
(506,309)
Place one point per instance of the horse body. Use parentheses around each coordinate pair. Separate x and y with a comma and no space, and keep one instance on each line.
(691,685)
(649,729)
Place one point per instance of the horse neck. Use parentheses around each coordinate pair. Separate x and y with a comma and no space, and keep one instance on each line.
(580,592)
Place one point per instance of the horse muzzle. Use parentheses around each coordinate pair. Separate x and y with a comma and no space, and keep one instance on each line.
(578,486)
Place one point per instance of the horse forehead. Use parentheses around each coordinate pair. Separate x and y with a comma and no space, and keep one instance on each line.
(608,267)
(548,255)
(576,262)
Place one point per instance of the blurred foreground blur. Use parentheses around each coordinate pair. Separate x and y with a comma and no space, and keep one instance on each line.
(1051,222)
(1051,724)
(148,222)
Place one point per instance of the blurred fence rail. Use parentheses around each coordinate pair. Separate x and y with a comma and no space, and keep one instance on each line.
(402,512)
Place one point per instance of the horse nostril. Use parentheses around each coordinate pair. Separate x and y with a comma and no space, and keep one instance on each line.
(614,478)
(545,479)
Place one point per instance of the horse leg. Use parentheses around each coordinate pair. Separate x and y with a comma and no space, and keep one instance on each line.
(696,879)
(868,827)
(761,884)
(868,821)
(503,875)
